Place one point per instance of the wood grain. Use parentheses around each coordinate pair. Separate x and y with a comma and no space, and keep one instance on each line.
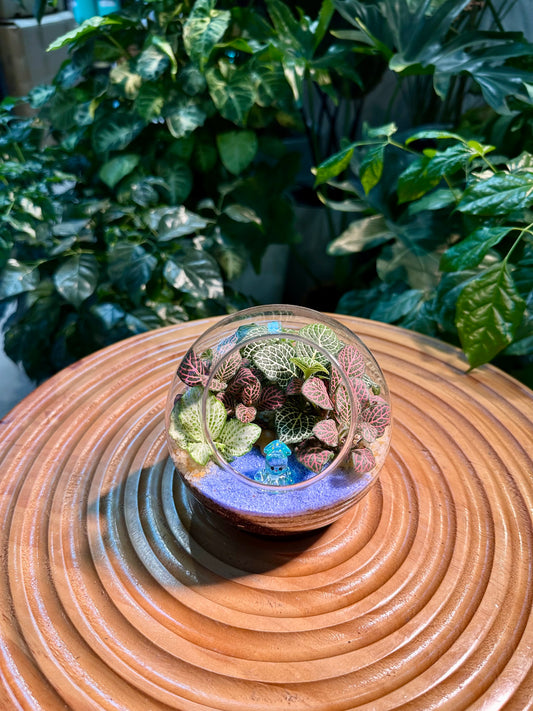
(119,592)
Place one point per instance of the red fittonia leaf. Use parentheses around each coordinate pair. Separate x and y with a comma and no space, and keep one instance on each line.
(343,407)
(192,369)
(216,386)
(251,392)
(326,431)
(244,376)
(334,382)
(377,414)
(363,460)
(272,398)
(294,386)
(368,431)
(228,367)
(245,414)
(316,392)
(360,391)
(351,361)
(315,458)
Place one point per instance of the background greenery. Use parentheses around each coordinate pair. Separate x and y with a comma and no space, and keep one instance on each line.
(160,164)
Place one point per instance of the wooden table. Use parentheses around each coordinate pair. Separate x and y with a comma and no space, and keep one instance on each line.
(119,592)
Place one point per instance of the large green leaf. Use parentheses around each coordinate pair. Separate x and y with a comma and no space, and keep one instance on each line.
(195,272)
(77,278)
(470,251)
(371,167)
(499,194)
(130,267)
(233,96)
(117,168)
(184,117)
(92,26)
(334,165)
(128,81)
(172,222)
(115,132)
(150,101)
(360,235)
(204,27)
(151,63)
(489,312)
(237,150)
(178,181)
(17,278)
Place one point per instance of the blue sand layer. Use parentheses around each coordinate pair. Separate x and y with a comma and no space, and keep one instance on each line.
(235,493)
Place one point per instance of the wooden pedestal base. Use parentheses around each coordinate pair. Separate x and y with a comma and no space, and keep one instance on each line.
(119,592)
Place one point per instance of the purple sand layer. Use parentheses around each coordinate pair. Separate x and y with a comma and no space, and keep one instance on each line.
(229,491)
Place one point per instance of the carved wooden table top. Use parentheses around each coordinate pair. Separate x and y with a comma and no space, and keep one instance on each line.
(118,592)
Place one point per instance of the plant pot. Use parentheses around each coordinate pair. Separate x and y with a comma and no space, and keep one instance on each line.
(278,419)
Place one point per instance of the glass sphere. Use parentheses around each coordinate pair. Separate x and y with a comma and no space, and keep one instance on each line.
(278,419)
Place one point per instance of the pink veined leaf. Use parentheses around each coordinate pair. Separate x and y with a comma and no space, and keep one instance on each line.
(352,361)
(334,382)
(245,414)
(377,414)
(251,392)
(216,386)
(191,369)
(227,400)
(294,386)
(272,398)
(316,392)
(343,407)
(368,431)
(315,458)
(228,367)
(244,376)
(363,460)
(360,390)
(326,431)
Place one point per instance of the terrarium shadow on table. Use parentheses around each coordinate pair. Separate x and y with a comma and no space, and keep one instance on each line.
(278,419)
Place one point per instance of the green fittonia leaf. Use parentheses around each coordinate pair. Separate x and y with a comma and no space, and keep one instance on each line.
(275,361)
(199,451)
(190,415)
(309,366)
(323,336)
(176,429)
(237,438)
(293,425)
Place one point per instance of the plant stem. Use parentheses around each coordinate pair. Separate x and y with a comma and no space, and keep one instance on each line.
(525,230)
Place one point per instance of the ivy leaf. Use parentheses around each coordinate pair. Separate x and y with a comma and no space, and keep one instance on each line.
(117,168)
(315,458)
(326,431)
(237,438)
(192,369)
(315,391)
(16,278)
(130,267)
(237,150)
(204,27)
(499,194)
(274,360)
(363,460)
(77,278)
(116,131)
(195,272)
(293,425)
(361,234)
(489,312)
(371,167)
(469,252)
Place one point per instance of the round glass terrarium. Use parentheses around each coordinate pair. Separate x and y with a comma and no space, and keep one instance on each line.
(278,419)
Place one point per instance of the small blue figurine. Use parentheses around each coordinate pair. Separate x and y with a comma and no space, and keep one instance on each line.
(276,470)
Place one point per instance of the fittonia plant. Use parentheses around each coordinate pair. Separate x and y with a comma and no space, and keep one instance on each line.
(277,382)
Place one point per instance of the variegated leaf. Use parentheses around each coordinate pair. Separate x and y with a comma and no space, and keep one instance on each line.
(315,458)
(244,376)
(247,332)
(292,424)
(343,406)
(245,414)
(334,382)
(272,398)
(363,460)
(228,367)
(351,361)
(190,414)
(176,429)
(323,335)
(377,414)
(315,391)
(200,452)
(360,391)
(237,438)
(368,431)
(326,431)
(274,360)
(294,386)
(191,369)
(309,367)
(251,392)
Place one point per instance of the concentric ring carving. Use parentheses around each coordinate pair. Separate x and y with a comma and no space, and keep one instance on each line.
(120,592)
